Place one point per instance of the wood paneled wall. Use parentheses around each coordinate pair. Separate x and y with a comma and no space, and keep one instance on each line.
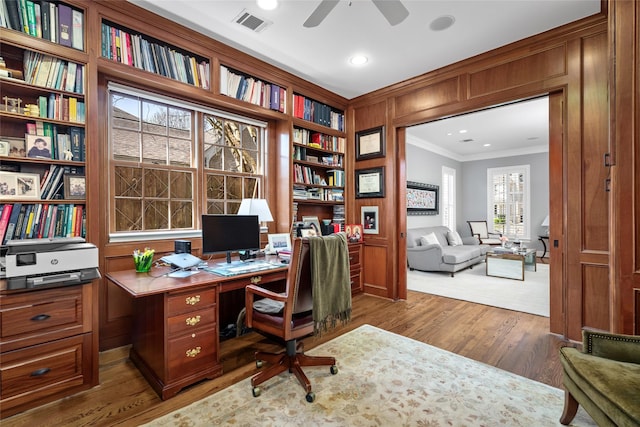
(571,64)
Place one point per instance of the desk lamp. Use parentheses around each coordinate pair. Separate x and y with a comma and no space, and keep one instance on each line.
(545,223)
(256,207)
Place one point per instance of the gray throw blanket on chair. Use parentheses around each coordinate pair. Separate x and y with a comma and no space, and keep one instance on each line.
(330,280)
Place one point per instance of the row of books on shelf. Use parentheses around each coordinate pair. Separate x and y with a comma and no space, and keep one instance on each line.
(320,194)
(317,112)
(300,153)
(252,90)
(335,177)
(319,140)
(19,221)
(141,52)
(306,175)
(54,73)
(59,107)
(52,21)
(60,142)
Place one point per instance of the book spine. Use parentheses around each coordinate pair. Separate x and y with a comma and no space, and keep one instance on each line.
(64,25)
(4,220)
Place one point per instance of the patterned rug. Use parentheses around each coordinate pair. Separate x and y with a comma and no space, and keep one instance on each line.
(385,379)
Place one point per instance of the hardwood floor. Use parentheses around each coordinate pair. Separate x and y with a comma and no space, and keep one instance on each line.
(513,341)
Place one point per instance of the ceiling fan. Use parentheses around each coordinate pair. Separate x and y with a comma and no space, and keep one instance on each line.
(393,10)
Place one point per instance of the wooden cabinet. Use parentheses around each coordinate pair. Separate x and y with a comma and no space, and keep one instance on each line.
(355,266)
(46,346)
(175,338)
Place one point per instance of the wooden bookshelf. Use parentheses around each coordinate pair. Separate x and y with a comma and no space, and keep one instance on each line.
(249,88)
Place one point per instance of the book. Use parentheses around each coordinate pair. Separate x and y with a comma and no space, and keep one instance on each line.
(13,12)
(65,25)
(28,221)
(77,29)
(4,220)
(45,20)
(18,227)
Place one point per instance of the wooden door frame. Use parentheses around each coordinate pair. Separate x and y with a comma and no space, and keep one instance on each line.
(557,208)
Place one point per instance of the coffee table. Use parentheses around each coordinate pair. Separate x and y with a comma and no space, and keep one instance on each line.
(510,265)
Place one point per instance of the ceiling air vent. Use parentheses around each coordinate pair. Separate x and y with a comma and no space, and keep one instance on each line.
(251,21)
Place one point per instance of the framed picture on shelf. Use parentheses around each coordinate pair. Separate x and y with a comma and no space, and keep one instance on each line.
(370,182)
(370,219)
(370,143)
(354,233)
(16,147)
(38,146)
(75,187)
(279,242)
(313,222)
(15,185)
(422,199)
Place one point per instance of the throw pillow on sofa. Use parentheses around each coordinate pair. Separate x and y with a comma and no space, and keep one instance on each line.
(429,239)
(454,238)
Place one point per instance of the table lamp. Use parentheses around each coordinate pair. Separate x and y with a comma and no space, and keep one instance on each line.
(256,207)
(545,223)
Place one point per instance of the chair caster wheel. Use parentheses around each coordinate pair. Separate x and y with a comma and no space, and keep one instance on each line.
(311,396)
(259,364)
(334,370)
(256,391)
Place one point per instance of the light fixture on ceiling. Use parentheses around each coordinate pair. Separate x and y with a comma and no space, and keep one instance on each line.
(267,4)
(486,145)
(441,23)
(462,131)
(358,60)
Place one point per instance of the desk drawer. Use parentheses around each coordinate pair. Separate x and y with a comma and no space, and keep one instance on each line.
(43,369)
(192,321)
(192,352)
(186,302)
(354,256)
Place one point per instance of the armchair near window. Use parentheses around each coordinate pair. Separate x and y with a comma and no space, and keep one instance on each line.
(604,378)
(480,229)
(299,311)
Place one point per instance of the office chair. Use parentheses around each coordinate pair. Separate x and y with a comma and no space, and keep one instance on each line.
(289,316)
(480,229)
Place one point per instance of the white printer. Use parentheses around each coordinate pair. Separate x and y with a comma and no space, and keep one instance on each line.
(45,263)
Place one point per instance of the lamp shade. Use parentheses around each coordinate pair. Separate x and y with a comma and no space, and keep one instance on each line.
(256,207)
(545,223)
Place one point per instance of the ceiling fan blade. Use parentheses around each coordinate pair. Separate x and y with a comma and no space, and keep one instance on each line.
(320,13)
(393,10)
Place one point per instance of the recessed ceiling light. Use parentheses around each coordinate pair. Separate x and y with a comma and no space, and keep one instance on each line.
(486,145)
(267,4)
(449,133)
(442,23)
(358,60)
(462,131)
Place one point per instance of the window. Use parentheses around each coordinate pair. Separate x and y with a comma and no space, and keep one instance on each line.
(508,201)
(448,201)
(154,168)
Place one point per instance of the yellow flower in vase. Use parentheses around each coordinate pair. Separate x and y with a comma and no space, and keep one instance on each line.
(143,259)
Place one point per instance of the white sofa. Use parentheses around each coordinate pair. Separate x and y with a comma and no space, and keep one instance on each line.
(442,256)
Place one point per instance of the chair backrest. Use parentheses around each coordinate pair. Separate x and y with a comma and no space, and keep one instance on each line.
(299,278)
(479,228)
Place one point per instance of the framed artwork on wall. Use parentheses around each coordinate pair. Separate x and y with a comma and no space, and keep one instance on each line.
(370,219)
(422,199)
(370,182)
(370,143)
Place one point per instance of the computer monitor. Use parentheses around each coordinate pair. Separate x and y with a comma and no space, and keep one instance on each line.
(230,233)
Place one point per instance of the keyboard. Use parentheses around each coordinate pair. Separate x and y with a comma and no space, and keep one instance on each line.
(240,269)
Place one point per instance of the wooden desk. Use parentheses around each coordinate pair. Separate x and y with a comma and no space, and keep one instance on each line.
(175,337)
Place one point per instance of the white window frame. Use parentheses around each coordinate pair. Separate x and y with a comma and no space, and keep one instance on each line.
(525,170)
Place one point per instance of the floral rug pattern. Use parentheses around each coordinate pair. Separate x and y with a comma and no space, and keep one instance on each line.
(385,379)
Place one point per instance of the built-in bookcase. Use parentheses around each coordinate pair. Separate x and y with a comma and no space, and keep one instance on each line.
(317,112)
(56,22)
(248,88)
(132,48)
(318,169)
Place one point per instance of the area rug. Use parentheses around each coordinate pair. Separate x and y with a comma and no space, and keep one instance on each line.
(528,296)
(385,379)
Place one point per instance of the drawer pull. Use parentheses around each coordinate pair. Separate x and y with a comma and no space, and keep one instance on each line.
(191,321)
(193,300)
(40,372)
(255,280)
(40,317)
(193,352)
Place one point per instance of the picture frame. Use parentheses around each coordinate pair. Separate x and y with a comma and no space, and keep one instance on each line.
(370,183)
(38,146)
(75,187)
(422,199)
(370,143)
(279,242)
(16,185)
(314,222)
(16,146)
(354,233)
(370,219)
